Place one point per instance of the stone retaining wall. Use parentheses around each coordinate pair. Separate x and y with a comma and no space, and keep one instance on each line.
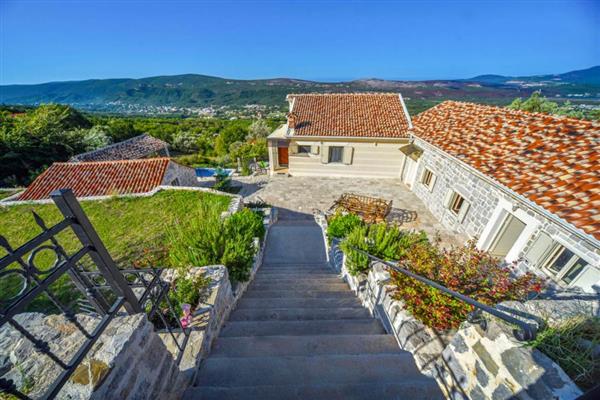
(468,363)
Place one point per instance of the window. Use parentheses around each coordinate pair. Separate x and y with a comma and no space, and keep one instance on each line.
(506,236)
(564,264)
(303,149)
(336,154)
(428,179)
(456,203)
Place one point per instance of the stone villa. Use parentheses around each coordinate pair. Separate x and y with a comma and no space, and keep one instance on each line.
(525,185)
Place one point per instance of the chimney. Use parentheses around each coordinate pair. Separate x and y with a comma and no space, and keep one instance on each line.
(292,120)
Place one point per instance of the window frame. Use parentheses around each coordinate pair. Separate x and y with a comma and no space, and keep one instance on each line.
(454,198)
(331,149)
(428,173)
(553,256)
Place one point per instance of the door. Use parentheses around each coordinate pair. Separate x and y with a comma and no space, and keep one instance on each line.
(507,235)
(282,156)
(408,173)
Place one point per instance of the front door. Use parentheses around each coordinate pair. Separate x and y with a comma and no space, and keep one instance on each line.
(282,156)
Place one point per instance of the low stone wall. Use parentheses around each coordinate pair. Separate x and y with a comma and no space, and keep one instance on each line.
(492,364)
(128,360)
(468,363)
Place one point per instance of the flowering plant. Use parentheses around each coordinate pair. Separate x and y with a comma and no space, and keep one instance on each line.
(466,270)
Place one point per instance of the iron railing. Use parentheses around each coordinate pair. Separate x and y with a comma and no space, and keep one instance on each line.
(525,331)
(102,290)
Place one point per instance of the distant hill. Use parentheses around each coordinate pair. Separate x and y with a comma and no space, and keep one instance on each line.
(193,91)
(590,76)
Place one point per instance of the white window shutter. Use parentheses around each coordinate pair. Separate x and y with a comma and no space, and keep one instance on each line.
(539,250)
(293,149)
(463,211)
(448,198)
(325,154)
(347,157)
(433,178)
(314,150)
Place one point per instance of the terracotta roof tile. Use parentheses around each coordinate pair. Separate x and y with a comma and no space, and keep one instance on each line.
(349,115)
(137,147)
(99,178)
(553,161)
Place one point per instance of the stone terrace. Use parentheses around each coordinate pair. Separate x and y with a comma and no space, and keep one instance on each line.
(305,194)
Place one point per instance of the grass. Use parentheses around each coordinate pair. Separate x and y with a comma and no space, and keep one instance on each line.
(133,229)
(7,193)
(571,345)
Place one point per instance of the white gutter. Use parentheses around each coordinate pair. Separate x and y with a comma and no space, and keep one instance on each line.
(528,203)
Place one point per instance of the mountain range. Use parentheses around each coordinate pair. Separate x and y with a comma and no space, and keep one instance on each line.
(194,91)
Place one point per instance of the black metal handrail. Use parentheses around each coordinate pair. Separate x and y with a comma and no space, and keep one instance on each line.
(525,331)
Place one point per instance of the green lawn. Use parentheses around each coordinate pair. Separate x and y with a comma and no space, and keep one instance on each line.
(135,230)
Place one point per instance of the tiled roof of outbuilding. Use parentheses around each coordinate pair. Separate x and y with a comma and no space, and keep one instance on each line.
(136,147)
(101,178)
(553,161)
(381,115)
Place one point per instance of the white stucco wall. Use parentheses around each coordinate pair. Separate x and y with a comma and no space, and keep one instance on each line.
(370,159)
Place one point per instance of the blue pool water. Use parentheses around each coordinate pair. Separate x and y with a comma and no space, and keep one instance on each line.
(208,172)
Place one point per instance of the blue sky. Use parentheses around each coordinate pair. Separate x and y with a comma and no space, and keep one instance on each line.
(50,40)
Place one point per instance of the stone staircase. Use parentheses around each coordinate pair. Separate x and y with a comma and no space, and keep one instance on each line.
(300,333)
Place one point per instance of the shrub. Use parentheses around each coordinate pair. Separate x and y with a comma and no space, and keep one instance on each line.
(381,240)
(466,270)
(340,225)
(227,241)
(571,345)
(187,290)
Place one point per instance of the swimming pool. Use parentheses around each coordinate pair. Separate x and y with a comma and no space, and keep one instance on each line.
(208,172)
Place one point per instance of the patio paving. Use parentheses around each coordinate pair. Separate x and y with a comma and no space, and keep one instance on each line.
(306,194)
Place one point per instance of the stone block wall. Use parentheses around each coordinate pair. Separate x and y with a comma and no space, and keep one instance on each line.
(491,364)
(483,198)
(128,360)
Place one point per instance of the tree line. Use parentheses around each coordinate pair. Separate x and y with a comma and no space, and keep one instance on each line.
(32,139)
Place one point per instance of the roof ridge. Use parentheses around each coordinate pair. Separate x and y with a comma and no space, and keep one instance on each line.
(137,160)
(346,94)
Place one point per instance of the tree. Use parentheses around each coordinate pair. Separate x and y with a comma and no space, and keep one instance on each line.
(537,103)
(259,129)
(185,141)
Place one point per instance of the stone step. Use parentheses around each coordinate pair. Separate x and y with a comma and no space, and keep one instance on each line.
(415,388)
(253,293)
(312,345)
(292,274)
(324,264)
(297,303)
(297,328)
(312,370)
(302,279)
(298,314)
(293,268)
(300,285)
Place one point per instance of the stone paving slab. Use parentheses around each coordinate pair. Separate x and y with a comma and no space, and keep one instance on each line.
(303,195)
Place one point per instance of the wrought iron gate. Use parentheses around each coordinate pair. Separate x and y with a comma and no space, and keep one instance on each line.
(103,290)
